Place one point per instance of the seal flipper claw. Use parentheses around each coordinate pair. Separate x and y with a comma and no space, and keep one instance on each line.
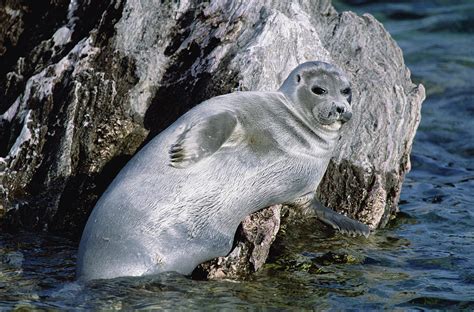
(339,222)
(201,140)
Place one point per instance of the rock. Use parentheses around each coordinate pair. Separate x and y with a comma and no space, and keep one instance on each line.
(254,238)
(368,172)
(85,84)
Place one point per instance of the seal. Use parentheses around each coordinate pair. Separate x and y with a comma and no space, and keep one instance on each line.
(180,199)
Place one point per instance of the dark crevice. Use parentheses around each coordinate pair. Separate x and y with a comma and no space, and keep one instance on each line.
(110,15)
(182,31)
(4,134)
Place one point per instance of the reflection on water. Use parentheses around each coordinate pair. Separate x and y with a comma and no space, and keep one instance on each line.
(423,259)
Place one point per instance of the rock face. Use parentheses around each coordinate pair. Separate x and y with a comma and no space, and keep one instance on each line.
(84,84)
(253,240)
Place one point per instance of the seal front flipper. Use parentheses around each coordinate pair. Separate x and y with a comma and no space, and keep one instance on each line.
(338,221)
(201,139)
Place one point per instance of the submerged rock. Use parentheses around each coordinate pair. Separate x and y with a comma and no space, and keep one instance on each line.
(85,84)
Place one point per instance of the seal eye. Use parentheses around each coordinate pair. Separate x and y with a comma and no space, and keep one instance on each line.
(346,91)
(318,90)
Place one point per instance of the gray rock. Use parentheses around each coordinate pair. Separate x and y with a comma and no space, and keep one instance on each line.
(85,95)
(254,238)
(374,153)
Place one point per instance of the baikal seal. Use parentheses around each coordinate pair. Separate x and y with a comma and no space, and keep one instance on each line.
(180,199)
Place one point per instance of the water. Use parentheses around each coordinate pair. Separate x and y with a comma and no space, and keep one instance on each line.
(423,259)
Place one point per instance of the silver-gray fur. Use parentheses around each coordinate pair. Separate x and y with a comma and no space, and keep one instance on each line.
(179,201)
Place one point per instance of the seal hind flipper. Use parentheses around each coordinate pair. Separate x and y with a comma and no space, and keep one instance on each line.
(338,221)
(201,139)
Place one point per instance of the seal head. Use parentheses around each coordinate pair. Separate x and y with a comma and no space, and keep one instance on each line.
(323,93)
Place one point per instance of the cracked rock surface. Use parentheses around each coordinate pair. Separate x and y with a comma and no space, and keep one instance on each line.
(85,84)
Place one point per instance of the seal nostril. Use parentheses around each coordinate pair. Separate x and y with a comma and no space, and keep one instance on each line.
(340,110)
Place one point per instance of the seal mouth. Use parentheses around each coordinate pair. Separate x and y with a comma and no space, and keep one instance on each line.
(330,120)
(334,126)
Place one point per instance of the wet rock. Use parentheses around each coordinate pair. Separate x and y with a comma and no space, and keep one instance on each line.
(330,258)
(85,84)
(254,238)
(12,259)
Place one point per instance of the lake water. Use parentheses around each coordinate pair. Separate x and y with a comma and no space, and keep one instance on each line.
(422,260)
